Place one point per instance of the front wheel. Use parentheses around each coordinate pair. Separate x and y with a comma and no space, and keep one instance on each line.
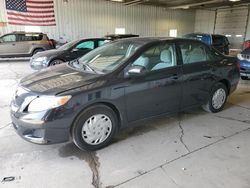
(217,98)
(244,77)
(94,128)
(56,62)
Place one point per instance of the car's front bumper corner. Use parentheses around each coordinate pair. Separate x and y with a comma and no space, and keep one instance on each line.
(40,133)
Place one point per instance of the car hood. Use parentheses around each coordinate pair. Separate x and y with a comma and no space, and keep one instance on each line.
(47,53)
(246,51)
(57,79)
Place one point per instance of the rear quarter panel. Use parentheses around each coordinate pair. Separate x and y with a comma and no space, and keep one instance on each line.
(229,71)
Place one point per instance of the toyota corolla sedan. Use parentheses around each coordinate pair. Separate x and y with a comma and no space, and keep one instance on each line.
(89,100)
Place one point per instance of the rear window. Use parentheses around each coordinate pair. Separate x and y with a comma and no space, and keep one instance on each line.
(201,37)
(30,37)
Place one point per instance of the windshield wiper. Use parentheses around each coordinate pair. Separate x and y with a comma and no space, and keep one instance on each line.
(90,68)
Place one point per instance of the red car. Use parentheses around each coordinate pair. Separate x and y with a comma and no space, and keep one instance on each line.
(246,44)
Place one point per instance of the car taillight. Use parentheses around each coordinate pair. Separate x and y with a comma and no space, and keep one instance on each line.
(51,43)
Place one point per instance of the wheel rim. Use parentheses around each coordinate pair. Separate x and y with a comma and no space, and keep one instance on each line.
(56,62)
(219,98)
(96,129)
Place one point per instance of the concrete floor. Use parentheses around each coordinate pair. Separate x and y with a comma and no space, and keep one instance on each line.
(191,149)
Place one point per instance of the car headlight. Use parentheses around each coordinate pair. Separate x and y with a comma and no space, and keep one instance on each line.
(41,59)
(239,56)
(47,102)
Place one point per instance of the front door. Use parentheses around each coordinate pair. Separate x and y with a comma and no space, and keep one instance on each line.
(158,90)
(8,45)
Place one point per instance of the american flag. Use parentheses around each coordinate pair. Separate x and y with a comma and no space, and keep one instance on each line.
(30,12)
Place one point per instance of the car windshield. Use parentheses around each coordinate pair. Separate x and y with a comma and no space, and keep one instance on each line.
(68,45)
(108,57)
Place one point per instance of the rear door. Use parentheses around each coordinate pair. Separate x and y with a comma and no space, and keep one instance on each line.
(157,91)
(8,45)
(28,42)
(198,72)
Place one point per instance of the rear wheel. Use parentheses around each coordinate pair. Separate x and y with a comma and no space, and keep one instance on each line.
(244,77)
(217,98)
(56,62)
(94,128)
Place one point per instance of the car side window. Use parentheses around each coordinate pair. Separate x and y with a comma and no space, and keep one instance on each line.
(8,38)
(86,45)
(157,57)
(102,42)
(193,52)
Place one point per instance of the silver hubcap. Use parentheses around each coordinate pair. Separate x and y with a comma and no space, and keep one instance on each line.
(96,129)
(219,98)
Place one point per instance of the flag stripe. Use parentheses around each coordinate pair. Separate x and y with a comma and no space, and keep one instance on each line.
(40,2)
(29,24)
(34,21)
(32,12)
(38,7)
(42,12)
(30,16)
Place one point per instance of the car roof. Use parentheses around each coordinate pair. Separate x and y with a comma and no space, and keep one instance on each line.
(146,39)
(155,39)
(23,32)
(120,36)
(199,33)
(82,39)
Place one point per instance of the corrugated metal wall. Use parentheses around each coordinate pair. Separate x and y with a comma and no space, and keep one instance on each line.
(204,21)
(95,18)
(233,22)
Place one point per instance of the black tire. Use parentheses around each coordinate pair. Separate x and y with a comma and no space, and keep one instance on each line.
(37,50)
(56,62)
(76,131)
(209,106)
(244,77)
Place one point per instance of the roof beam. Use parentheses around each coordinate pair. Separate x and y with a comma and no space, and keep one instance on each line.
(185,6)
(133,2)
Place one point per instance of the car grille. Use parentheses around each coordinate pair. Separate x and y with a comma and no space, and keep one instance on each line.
(245,56)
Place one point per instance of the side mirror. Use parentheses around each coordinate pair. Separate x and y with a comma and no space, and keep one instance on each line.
(135,71)
(75,50)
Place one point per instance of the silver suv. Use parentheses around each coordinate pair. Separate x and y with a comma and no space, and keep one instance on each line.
(23,44)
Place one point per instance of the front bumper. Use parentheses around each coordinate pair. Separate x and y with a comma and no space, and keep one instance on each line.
(41,132)
(244,68)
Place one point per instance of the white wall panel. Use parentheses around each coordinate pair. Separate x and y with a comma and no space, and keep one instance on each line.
(204,21)
(232,22)
(96,18)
